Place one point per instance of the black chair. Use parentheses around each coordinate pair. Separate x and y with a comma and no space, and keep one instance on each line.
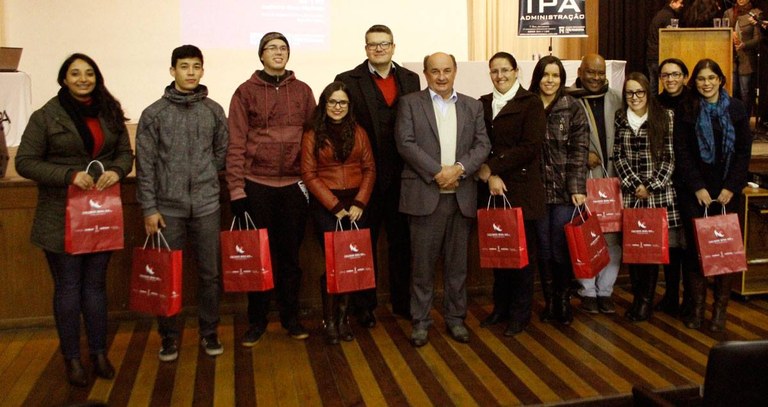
(737,375)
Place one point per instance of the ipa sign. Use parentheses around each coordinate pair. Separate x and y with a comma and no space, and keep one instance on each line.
(552,18)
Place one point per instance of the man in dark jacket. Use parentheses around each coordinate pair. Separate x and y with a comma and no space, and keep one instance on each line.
(662,19)
(375,86)
(181,143)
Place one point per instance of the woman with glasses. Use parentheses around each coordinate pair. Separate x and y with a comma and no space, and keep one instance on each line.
(673,74)
(338,168)
(564,171)
(644,159)
(713,143)
(515,122)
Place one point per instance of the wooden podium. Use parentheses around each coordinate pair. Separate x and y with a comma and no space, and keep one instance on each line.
(693,44)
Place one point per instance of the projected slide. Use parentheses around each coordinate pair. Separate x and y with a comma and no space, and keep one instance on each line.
(240,24)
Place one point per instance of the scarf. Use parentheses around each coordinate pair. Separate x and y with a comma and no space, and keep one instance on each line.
(580,92)
(636,121)
(741,10)
(717,111)
(500,99)
(77,111)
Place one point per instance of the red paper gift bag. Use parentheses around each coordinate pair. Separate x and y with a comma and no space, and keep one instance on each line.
(93,221)
(501,235)
(645,236)
(156,280)
(246,263)
(604,200)
(348,260)
(586,245)
(720,244)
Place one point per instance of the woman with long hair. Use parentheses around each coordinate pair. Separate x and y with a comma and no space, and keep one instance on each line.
(84,122)
(338,168)
(644,159)
(713,143)
(564,170)
(515,122)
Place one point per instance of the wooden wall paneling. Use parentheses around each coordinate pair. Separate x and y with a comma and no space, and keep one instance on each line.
(692,44)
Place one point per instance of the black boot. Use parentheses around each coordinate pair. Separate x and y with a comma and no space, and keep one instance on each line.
(698,285)
(76,372)
(635,289)
(102,367)
(545,278)
(670,303)
(330,328)
(722,295)
(345,330)
(647,277)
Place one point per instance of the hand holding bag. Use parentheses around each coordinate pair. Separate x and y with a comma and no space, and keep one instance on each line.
(604,197)
(501,236)
(156,279)
(94,219)
(348,260)
(246,263)
(720,244)
(586,244)
(645,236)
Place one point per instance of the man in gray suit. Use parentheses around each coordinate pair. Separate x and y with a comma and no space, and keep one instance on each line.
(441,137)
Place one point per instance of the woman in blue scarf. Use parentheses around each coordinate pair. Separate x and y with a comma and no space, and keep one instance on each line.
(713,143)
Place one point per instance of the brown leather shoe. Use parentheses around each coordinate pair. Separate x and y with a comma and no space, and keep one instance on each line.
(76,373)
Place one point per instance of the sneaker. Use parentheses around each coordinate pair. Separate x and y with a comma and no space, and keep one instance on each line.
(211,345)
(252,335)
(168,350)
(606,305)
(589,305)
(297,331)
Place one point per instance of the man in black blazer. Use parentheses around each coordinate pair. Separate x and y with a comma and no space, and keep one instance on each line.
(375,86)
(442,138)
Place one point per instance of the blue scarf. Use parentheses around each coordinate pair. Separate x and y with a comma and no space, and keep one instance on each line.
(705,134)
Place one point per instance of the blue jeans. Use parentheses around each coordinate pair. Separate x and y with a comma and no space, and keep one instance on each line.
(202,234)
(553,248)
(79,287)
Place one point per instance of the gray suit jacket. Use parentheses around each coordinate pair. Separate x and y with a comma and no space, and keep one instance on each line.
(419,144)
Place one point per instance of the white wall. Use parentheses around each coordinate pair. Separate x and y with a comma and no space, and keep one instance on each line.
(132,40)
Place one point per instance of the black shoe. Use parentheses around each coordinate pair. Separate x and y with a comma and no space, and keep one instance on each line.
(514,328)
(102,367)
(297,331)
(76,373)
(589,305)
(253,335)
(168,350)
(606,305)
(366,319)
(211,345)
(493,319)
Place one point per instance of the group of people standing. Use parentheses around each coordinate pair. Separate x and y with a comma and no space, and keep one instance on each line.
(375,151)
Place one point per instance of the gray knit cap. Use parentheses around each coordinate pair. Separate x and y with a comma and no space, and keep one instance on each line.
(272,36)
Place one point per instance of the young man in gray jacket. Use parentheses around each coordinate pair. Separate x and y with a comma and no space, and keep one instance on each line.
(181,143)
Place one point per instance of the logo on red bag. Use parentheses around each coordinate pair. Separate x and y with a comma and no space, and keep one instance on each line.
(239,249)
(719,234)
(641,224)
(149,270)
(355,252)
(149,274)
(602,194)
(353,247)
(497,228)
(240,254)
(94,204)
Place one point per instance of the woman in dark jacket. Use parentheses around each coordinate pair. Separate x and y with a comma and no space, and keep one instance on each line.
(338,168)
(714,144)
(564,171)
(83,123)
(515,122)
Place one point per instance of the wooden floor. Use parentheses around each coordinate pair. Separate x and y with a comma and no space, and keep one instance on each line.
(597,358)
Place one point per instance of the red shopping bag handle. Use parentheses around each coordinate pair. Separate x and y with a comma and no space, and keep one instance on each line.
(248,221)
(340,228)
(158,246)
(506,204)
(581,215)
(722,209)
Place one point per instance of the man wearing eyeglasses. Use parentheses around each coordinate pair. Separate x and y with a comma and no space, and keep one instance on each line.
(375,86)
(266,118)
(600,103)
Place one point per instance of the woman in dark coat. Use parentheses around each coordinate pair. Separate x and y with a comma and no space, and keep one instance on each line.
(714,144)
(83,123)
(515,122)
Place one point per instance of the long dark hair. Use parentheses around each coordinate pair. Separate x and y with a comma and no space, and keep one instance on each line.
(319,124)
(538,74)
(706,63)
(658,120)
(112,111)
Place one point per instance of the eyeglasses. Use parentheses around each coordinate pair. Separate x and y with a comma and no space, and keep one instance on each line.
(502,71)
(371,46)
(275,48)
(631,94)
(334,103)
(710,78)
(672,75)
(592,72)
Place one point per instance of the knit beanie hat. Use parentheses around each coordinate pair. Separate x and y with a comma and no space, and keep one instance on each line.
(269,37)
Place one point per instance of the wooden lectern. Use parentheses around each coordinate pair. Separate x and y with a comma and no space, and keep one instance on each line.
(692,44)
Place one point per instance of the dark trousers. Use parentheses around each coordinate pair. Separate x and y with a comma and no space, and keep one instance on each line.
(283,212)
(553,247)
(79,287)
(513,288)
(202,234)
(384,213)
